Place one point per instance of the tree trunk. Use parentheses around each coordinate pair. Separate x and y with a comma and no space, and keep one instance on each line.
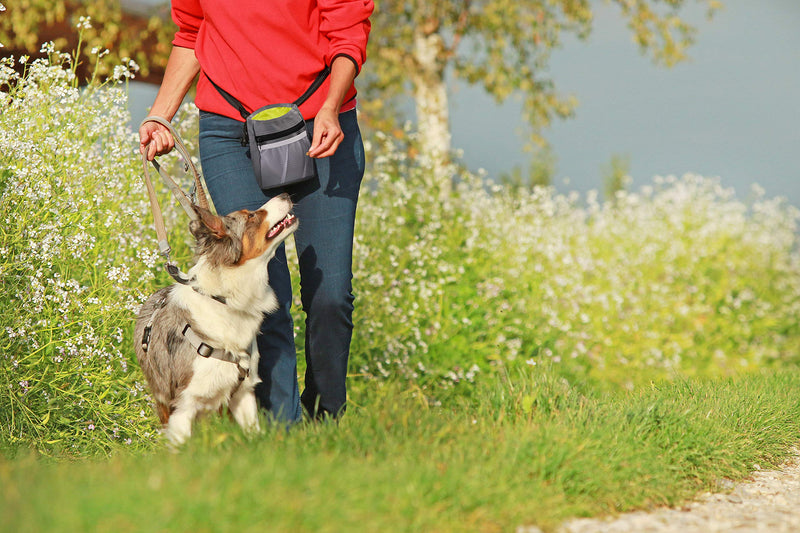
(433,119)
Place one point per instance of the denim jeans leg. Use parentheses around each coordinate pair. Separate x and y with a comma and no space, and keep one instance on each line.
(231,184)
(326,209)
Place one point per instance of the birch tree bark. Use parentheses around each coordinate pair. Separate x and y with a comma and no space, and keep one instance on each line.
(433,115)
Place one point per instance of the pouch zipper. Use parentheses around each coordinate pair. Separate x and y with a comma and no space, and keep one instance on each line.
(260,139)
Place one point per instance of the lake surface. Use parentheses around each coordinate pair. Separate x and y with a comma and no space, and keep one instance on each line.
(732,111)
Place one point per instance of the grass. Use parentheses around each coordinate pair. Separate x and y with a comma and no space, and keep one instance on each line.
(529,450)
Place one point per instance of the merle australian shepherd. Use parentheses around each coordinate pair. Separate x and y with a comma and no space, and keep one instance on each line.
(195,340)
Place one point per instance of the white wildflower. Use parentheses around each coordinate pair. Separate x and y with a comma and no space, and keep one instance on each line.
(84,23)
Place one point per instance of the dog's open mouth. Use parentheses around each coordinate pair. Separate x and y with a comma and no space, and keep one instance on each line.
(275,230)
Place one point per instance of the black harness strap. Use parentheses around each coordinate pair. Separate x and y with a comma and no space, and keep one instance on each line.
(316,84)
(149,327)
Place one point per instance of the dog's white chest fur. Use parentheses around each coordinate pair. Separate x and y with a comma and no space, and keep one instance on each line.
(234,323)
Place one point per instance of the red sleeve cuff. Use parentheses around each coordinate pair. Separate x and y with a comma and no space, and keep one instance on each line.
(348,56)
(346,25)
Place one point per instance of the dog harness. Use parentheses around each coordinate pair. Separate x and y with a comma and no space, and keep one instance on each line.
(201,347)
(204,350)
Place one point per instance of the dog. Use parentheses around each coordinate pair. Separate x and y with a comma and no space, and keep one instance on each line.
(195,339)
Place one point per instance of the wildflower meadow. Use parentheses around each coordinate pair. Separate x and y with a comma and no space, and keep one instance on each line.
(540,325)
(681,278)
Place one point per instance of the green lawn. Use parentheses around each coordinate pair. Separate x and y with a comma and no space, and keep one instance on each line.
(529,450)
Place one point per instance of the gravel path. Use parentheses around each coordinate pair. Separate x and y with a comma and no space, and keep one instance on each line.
(769,502)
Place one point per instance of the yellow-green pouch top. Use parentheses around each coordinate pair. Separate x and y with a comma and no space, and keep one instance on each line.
(271,113)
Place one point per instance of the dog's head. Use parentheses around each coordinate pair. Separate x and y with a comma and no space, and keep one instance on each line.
(243,235)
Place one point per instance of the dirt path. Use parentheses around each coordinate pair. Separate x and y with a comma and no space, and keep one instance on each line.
(769,502)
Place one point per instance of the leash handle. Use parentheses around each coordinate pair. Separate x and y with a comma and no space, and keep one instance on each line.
(202,200)
(177,192)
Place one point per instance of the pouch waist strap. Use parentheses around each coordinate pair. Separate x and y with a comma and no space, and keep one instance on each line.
(316,84)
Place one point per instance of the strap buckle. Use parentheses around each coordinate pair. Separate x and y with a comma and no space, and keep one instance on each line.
(204,350)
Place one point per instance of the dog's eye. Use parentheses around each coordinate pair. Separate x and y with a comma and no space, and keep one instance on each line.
(250,215)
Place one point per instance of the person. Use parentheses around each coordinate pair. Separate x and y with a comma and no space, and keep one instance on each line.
(264,54)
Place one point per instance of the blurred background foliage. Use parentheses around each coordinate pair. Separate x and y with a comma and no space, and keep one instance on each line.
(416,48)
(127,31)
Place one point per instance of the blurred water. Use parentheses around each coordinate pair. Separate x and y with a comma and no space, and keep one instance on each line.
(732,111)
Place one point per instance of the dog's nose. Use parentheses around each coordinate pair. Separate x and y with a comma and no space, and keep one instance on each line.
(284,196)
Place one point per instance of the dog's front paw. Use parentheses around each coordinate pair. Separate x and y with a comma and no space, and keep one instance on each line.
(245,411)
(179,428)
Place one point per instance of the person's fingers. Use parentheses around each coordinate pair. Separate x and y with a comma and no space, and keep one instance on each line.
(155,140)
(319,144)
(316,139)
(145,133)
(147,139)
(327,134)
(153,148)
(328,146)
(327,137)
(170,141)
(156,145)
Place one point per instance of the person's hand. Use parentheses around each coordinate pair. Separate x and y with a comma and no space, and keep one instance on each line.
(327,134)
(154,139)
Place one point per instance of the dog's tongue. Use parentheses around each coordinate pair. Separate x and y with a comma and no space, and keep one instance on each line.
(279,227)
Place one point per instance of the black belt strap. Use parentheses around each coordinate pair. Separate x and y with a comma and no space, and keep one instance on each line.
(316,84)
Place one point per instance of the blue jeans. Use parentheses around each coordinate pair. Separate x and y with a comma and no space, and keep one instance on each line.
(325,207)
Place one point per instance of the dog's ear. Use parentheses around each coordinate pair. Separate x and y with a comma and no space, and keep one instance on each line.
(207,224)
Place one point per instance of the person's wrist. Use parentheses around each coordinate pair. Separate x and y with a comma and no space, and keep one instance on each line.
(329,107)
(162,110)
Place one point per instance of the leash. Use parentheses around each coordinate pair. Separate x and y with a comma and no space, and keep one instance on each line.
(197,192)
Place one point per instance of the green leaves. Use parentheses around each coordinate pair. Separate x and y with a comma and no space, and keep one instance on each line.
(504,46)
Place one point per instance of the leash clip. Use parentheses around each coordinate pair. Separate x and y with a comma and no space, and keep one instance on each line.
(164,249)
(175,272)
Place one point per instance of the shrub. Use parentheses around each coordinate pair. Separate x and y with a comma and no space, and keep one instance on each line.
(680,278)
(74,261)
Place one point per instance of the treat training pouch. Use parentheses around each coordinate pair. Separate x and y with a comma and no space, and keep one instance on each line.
(279,144)
(277,137)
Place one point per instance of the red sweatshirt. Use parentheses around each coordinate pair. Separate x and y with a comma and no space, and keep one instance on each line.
(270,52)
